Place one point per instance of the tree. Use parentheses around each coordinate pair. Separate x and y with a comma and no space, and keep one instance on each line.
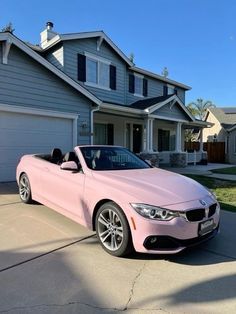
(131,57)
(8,28)
(199,108)
(165,72)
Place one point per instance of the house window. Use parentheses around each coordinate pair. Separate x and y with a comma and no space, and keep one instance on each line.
(92,69)
(96,71)
(163,140)
(103,134)
(169,90)
(138,85)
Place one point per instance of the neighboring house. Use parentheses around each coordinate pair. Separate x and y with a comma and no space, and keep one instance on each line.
(81,89)
(223,130)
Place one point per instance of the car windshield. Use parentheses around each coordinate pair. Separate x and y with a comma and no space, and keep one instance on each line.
(111,158)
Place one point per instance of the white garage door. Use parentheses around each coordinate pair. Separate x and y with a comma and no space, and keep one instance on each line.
(28,133)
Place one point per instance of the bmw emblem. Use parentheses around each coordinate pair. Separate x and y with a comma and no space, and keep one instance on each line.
(202,202)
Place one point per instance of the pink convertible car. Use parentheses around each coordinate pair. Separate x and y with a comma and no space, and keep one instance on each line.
(131,205)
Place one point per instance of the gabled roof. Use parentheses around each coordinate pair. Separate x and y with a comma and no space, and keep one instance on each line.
(102,36)
(233,127)
(159,77)
(141,108)
(148,102)
(99,34)
(225,115)
(152,104)
(12,39)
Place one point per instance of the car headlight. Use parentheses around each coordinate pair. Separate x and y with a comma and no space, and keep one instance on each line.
(154,212)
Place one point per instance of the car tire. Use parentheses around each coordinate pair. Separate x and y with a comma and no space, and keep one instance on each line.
(113,230)
(25,189)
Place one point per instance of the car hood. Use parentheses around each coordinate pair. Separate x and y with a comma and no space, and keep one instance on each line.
(153,185)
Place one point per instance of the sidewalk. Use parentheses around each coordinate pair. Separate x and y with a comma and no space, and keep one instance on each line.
(205,170)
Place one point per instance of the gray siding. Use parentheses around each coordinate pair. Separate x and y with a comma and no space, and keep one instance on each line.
(181,94)
(119,96)
(71,50)
(155,89)
(174,112)
(24,82)
(56,57)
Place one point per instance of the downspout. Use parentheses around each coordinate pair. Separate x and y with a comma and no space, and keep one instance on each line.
(91,122)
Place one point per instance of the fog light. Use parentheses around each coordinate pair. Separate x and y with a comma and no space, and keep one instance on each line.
(153,240)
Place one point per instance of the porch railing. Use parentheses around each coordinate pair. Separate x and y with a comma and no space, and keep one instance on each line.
(194,157)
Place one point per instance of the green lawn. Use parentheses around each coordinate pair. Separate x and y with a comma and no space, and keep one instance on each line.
(231,170)
(224,190)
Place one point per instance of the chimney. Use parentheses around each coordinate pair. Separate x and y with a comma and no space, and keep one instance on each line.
(47,34)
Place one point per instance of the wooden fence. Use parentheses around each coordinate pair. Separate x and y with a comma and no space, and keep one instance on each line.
(215,150)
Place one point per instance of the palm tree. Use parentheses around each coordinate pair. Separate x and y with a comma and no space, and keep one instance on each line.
(199,108)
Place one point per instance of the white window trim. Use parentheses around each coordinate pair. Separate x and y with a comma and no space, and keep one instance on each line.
(99,60)
(97,86)
(141,77)
(45,113)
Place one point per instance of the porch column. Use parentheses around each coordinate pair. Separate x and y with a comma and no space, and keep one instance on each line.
(149,135)
(178,137)
(201,140)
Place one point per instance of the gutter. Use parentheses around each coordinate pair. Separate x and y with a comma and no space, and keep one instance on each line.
(121,108)
(91,123)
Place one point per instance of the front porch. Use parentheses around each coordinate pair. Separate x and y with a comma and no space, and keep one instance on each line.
(156,132)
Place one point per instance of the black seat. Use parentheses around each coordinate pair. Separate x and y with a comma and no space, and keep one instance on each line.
(70,156)
(56,155)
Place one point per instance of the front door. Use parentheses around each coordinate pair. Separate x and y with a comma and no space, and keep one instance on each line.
(137,138)
(134,137)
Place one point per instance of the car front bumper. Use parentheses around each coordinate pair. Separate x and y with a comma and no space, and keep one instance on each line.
(169,237)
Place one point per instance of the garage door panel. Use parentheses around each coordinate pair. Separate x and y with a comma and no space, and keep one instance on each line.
(32,138)
(22,134)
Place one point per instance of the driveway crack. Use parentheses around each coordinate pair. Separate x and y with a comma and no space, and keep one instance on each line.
(131,293)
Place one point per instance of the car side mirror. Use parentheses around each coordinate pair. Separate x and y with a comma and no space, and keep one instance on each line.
(69,165)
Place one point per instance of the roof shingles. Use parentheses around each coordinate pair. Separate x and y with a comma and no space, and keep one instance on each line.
(225,115)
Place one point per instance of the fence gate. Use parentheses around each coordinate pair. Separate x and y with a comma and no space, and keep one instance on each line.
(215,151)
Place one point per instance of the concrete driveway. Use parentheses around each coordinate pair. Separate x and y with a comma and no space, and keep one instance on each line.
(49,264)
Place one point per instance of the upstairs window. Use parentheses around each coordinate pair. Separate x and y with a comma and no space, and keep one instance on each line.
(91,71)
(96,72)
(169,90)
(138,85)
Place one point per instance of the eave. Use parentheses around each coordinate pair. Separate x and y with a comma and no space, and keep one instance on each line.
(159,77)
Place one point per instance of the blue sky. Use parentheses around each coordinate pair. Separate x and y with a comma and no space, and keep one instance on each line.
(194,39)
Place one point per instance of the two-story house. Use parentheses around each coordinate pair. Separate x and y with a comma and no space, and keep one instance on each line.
(80,88)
